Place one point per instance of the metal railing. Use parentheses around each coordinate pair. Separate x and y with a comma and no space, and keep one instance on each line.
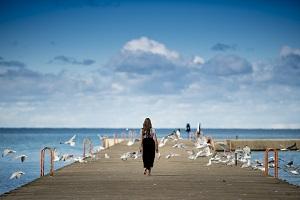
(275,162)
(42,163)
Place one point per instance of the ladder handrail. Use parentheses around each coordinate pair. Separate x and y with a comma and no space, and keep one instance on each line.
(42,161)
(275,162)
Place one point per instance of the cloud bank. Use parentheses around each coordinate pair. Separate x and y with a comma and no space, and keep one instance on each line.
(223,47)
(148,79)
(72,61)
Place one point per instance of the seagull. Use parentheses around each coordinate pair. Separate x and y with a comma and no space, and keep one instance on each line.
(97,149)
(193,155)
(55,155)
(106,156)
(101,137)
(292,147)
(80,160)
(7,152)
(125,156)
(209,162)
(171,155)
(178,134)
(179,146)
(136,154)
(247,150)
(258,163)
(22,157)
(283,148)
(71,141)
(130,142)
(163,142)
(294,172)
(16,175)
(290,164)
(247,164)
(65,157)
(201,146)
(271,160)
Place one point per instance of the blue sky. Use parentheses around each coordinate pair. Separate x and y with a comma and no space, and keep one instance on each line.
(98,63)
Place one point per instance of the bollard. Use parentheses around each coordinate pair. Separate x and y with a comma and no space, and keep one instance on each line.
(235,158)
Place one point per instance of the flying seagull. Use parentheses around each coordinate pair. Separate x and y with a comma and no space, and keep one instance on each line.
(7,152)
(71,141)
(16,175)
(22,157)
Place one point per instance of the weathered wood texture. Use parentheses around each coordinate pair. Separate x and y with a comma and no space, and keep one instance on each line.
(174,178)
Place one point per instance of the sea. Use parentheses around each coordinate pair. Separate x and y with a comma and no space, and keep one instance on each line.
(30,141)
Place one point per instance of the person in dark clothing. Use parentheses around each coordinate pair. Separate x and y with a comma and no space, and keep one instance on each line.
(149,145)
(188,130)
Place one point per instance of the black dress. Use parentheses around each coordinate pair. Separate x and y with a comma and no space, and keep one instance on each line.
(148,151)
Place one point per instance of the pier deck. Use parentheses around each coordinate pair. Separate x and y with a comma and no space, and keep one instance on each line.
(174,178)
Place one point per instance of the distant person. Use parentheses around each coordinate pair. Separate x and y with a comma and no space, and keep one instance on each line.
(149,145)
(198,131)
(188,130)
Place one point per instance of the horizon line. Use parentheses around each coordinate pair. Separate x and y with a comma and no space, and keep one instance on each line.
(140,127)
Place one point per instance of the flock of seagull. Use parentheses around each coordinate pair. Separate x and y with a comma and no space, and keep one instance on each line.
(63,157)
(241,156)
(201,148)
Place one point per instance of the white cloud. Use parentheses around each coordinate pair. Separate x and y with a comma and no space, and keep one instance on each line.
(225,91)
(198,60)
(286,50)
(146,45)
(226,65)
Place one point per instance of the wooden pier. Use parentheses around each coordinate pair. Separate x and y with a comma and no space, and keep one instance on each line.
(174,178)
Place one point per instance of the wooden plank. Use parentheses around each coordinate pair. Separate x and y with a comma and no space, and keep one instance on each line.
(174,178)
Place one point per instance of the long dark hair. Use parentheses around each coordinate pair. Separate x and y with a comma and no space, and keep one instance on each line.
(147,126)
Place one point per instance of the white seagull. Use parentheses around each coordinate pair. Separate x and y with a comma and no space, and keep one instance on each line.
(101,137)
(7,152)
(22,157)
(125,156)
(55,155)
(97,149)
(71,141)
(171,155)
(80,160)
(65,157)
(209,162)
(106,156)
(294,172)
(130,142)
(16,175)
(282,148)
(162,142)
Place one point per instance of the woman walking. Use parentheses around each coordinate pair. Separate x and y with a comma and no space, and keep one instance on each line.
(149,145)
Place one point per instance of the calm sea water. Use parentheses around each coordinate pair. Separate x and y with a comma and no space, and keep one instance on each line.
(30,141)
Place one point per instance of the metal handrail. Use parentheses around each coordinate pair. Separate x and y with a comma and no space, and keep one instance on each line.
(42,163)
(275,162)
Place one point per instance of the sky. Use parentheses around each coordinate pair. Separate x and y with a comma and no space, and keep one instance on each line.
(100,63)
